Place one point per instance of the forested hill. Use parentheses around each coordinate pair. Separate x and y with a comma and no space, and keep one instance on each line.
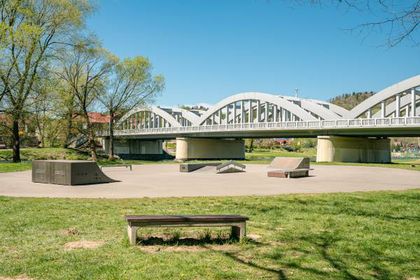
(350,100)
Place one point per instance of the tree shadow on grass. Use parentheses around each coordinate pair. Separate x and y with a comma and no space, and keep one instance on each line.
(280,273)
(363,213)
(325,242)
(207,242)
(322,243)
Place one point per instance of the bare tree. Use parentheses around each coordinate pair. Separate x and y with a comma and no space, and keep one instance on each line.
(399,20)
(131,84)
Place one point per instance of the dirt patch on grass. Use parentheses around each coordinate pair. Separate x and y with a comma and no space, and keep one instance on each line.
(254,236)
(83,244)
(19,277)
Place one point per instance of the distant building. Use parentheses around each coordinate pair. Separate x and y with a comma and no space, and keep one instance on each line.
(283,141)
(98,118)
(100,121)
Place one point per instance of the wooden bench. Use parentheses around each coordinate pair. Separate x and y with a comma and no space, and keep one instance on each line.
(236,222)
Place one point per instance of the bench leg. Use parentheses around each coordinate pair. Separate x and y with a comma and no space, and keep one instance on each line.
(132,234)
(239,231)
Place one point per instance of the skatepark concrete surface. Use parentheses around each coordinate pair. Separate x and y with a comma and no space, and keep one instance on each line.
(165,180)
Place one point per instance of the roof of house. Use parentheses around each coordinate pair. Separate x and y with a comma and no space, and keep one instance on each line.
(96,117)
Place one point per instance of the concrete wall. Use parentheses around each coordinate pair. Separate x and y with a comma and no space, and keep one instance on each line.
(207,148)
(353,149)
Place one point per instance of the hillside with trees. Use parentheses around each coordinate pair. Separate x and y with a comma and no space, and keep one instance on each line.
(351,100)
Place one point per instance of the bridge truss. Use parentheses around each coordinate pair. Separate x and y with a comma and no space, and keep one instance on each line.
(397,106)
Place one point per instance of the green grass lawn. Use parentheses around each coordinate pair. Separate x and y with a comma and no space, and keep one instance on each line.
(44,153)
(29,154)
(400,164)
(267,156)
(13,167)
(328,236)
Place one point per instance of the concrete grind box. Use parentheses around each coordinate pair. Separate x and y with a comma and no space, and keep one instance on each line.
(68,172)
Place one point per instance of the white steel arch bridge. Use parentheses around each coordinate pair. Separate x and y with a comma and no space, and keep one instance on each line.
(394,111)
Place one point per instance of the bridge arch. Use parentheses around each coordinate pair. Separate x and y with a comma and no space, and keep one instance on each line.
(190,117)
(147,117)
(342,112)
(251,107)
(405,107)
(314,108)
(397,92)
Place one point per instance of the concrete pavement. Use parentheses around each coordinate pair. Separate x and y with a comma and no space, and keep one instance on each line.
(165,180)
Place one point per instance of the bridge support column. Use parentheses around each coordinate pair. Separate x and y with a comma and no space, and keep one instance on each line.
(353,149)
(209,148)
(138,149)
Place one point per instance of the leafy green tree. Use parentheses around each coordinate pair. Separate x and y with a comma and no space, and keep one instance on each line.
(31,32)
(44,112)
(67,113)
(130,84)
(351,100)
(84,70)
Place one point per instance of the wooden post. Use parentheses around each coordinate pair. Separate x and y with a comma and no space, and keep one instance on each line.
(132,234)
(239,231)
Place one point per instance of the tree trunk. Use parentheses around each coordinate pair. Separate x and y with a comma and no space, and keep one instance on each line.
(16,141)
(91,137)
(92,146)
(69,129)
(92,143)
(111,137)
(251,145)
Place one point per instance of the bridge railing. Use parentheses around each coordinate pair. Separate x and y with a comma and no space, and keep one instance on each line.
(290,125)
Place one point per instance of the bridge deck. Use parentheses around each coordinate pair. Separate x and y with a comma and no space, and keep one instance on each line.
(406,126)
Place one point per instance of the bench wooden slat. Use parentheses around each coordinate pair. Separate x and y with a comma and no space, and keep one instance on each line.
(185,218)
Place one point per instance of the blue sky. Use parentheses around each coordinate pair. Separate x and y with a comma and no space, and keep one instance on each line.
(210,49)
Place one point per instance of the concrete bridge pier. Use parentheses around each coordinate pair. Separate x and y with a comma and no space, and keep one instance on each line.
(138,149)
(353,149)
(209,148)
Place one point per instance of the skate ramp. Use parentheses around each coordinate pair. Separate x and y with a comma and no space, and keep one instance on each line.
(206,169)
(230,167)
(190,167)
(290,163)
(68,172)
(285,167)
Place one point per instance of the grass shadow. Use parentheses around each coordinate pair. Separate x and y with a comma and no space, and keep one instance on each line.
(186,241)
(206,239)
(280,273)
